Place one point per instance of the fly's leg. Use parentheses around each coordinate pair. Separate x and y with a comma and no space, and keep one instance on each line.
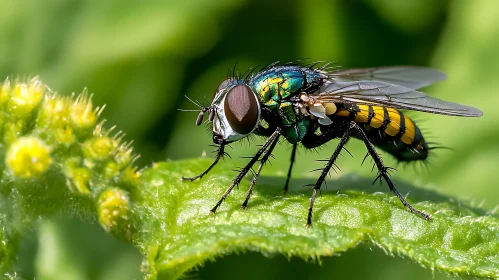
(293,155)
(245,170)
(383,172)
(220,154)
(257,173)
(325,171)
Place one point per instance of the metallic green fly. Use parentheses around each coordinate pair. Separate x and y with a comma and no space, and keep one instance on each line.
(310,105)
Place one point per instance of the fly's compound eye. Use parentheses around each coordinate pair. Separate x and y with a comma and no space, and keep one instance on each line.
(241,109)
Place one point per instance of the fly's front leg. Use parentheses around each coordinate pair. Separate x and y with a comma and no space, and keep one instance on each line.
(325,171)
(220,153)
(293,155)
(245,170)
(383,172)
(257,173)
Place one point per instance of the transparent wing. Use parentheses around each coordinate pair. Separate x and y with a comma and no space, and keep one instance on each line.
(389,95)
(412,77)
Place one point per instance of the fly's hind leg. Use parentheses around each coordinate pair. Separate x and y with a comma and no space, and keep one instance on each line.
(383,171)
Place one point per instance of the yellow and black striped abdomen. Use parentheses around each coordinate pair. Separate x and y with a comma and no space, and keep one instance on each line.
(388,129)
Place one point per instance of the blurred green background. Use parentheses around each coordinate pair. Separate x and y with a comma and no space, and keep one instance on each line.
(141,57)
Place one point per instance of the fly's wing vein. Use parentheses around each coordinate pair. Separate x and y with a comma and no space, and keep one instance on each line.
(412,77)
(389,95)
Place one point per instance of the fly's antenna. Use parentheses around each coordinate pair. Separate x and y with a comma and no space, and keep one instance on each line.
(204,109)
(200,117)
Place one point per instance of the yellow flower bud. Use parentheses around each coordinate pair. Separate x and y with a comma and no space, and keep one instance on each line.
(82,114)
(99,148)
(123,155)
(131,176)
(113,209)
(28,157)
(55,112)
(111,170)
(64,135)
(25,97)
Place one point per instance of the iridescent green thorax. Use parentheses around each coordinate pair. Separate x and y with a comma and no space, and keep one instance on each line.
(276,86)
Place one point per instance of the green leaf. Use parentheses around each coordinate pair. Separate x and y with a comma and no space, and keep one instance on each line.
(177,233)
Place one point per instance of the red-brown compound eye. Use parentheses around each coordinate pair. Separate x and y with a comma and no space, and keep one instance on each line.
(241,109)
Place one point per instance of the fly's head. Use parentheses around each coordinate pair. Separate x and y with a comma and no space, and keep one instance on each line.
(234,112)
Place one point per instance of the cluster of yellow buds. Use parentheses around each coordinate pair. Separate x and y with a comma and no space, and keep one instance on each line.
(45,134)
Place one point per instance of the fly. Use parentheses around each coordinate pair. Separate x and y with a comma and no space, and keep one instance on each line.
(309,106)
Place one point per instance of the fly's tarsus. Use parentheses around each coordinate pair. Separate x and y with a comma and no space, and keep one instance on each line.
(220,154)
